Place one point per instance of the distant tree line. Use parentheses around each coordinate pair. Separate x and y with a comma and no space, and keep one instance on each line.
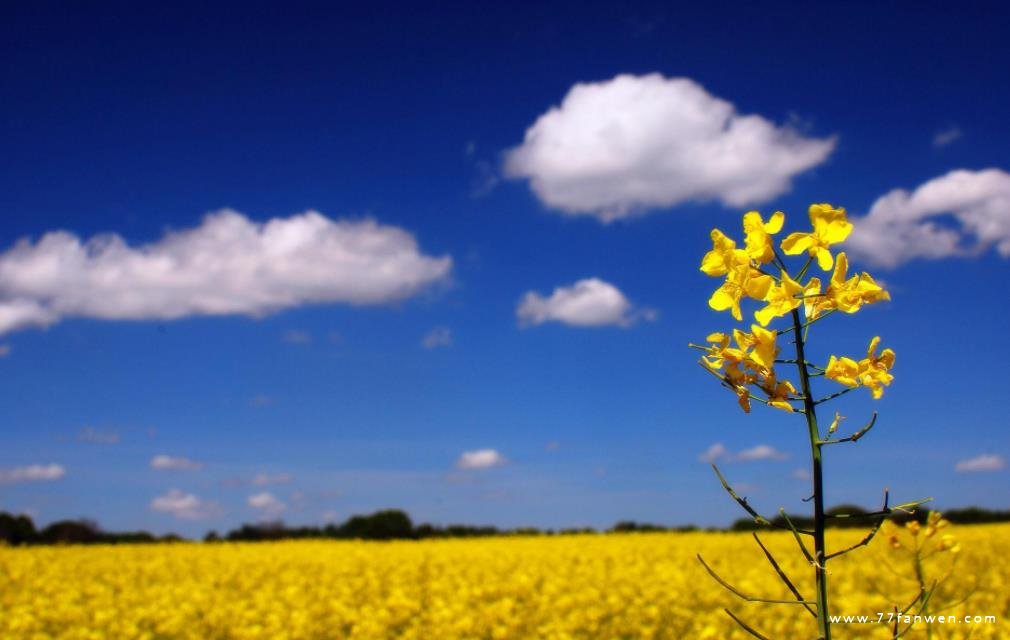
(394,524)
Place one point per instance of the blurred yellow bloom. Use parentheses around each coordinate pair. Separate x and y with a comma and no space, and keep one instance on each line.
(757,235)
(765,348)
(739,380)
(741,281)
(843,370)
(874,371)
(724,255)
(779,392)
(781,299)
(830,226)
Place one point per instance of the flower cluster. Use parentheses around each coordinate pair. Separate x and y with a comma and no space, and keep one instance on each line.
(758,272)
(923,540)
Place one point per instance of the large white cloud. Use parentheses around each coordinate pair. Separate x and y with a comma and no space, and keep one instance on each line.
(587,303)
(957,214)
(622,146)
(228,264)
(185,506)
(32,473)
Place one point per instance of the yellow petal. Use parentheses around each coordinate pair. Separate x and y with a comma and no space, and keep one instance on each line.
(796,243)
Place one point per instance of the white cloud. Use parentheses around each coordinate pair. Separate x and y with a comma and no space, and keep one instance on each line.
(718,451)
(263,479)
(713,453)
(437,337)
(947,136)
(32,473)
(587,303)
(480,459)
(5,350)
(984,462)
(962,213)
(801,474)
(618,147)
(185,506)
(761,452)
(268,505)
(171,463)
(227,265)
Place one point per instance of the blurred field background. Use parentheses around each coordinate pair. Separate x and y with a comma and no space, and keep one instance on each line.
(614,586)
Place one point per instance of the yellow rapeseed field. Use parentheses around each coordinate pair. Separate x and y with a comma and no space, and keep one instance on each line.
(551,587)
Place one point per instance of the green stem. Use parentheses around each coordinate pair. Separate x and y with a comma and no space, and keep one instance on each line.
(820,555)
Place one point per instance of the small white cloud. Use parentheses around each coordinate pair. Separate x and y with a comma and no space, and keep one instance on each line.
(267,504)
(480,459)
(264,479)
(227,265)
(297,336)
(98,436)
(262,400)
(184,506)
(984,462)
(633,143)
(5,350)
(329,517)
(801,474)
(587,303)
(761,452)
(32,473)
(962,213)
(170,463)
(713,453)
(437,337)
(945,137)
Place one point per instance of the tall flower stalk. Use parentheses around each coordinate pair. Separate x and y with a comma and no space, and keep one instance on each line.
(745,363)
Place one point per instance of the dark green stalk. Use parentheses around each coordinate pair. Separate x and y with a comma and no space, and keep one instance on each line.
(820,555)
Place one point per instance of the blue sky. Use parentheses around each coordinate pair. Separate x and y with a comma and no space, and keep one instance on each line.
(183,377)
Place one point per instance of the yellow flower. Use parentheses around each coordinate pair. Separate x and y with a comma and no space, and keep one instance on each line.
(720,353)
(843,370)
(781,299)
(724,255)
(742,280)
(739,381)
(849,294)
(765,348)
(874,370)
(779,393)
(758,234)
(830,226)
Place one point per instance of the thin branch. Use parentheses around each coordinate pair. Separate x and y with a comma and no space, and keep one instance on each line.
(855,436)
(862,543)
(796,534)
(758,518)
(925,600)
(741,594)
(834,395)
(785,578)
(746,627)
(907,507)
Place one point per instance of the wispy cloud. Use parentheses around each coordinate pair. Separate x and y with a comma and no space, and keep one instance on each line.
(437,337)
(264,479)
(962,213)
(185,506)
(633,143)
(480,459)
(297,336)
(227,265)
(98,436)
(32,473)
(718,452)
(946,136)
(171,463)
(267,504)
(587,303)
(984,462)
